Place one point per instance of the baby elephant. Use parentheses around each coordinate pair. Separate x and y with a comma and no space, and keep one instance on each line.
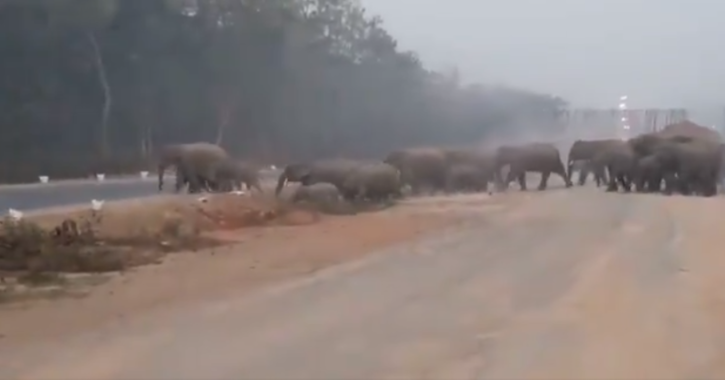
(318,193)
(375,181)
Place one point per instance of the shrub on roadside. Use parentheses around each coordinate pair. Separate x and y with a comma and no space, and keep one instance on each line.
(118,238)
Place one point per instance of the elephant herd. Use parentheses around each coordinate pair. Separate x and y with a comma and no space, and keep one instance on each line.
(205,166)
(680,159)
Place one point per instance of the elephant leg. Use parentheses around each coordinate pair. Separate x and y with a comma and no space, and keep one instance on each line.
(670,184)
(612,186)
(598,175)
(180,182)
(205,184)
(684,183)
(416,187)
(710,189)
(625,183)
(544,180)
(196,182)
(612,183)
(561,171)
(521,178)
(703,187)
(583,174)
(183,180)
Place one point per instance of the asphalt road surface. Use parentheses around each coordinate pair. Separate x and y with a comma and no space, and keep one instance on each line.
(28,197)
(558,284)
(39,196)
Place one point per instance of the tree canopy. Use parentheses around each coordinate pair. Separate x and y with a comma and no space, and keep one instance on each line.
(86,83)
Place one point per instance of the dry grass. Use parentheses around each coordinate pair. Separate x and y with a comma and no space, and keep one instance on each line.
(133,233)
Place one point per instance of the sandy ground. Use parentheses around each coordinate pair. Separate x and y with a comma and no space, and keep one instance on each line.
(566,284)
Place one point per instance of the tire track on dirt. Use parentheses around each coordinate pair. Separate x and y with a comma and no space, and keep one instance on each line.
(506,294)
(633,316)
(298,305)
(353,326)
(415,334)
(538,334)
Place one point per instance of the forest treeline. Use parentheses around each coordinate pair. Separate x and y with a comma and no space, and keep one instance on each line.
(96,85)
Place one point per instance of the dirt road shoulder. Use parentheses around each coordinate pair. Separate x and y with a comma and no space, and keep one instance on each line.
(260,257)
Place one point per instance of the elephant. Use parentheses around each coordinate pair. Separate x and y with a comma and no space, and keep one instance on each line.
(466,178)
(421,168)
(689,165)
(182,180)
(475,166)
(690,130)
(230,174)
(319,193)
(648,174)
(619,159)
(372,181)
(333,171)
(534,157)
(194,161)
(584,151)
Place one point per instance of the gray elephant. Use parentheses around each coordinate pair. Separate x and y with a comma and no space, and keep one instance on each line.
(474,166)
(543,158)
(692,131)
(648,174)
(421,168)
(230,174)
(583,151)
(466,178)
(319,193)
(333,171)
(194,161)
(372,181)
(620,160)
(688,165)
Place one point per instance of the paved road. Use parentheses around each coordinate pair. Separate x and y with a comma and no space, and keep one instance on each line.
(65,193)
(34,197)
(563,284)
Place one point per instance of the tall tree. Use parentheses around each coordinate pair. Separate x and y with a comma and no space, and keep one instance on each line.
(268,79)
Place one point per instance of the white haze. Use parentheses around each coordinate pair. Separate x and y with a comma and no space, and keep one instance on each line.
(662,53)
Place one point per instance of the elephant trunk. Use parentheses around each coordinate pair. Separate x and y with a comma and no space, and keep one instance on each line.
(280,183)
(569,170)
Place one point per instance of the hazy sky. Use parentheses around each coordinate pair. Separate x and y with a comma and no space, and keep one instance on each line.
(659,52)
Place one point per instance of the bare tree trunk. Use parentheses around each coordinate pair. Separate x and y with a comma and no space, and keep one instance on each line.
(220,130)
(107,100)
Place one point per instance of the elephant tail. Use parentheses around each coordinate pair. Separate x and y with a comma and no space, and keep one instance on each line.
(280,183)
